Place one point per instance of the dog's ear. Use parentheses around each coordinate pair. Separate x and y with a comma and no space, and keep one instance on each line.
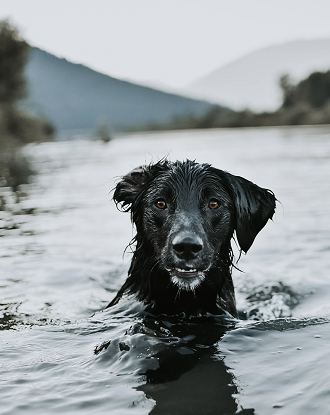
(129,187)
(254,206)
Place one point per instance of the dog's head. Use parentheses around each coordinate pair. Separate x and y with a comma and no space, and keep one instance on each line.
(187,212)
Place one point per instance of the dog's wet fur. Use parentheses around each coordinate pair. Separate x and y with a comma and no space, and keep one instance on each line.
(185,215)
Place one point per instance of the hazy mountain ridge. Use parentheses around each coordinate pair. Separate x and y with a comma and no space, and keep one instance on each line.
(73,96)
(252,81)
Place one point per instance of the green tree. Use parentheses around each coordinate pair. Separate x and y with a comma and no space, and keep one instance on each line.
(315,90)
(288,91)
(14,52)
(17,127)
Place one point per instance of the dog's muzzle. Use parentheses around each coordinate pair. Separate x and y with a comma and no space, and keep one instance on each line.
(186,250)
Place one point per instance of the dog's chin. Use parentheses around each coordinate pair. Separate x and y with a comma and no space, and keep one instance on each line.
(186,279)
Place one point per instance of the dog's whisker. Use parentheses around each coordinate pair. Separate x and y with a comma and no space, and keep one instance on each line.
(177,294)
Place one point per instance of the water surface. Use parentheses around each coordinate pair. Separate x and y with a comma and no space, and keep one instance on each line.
(61,262)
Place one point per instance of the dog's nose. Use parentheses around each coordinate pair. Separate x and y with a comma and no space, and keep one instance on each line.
(187,247)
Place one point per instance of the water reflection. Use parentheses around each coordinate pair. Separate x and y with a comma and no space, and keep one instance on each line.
(179,363)
(207,389)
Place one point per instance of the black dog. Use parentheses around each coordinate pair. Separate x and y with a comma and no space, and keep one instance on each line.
(185,215)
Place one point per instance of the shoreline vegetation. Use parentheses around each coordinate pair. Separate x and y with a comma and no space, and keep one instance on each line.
(304,103)
(17,127)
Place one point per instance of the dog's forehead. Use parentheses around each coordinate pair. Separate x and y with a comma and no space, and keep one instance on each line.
(186,178)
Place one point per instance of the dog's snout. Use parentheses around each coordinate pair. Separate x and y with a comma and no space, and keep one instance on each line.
(187,247)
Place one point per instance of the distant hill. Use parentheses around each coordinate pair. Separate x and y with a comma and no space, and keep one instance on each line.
(252,81)
(73,96)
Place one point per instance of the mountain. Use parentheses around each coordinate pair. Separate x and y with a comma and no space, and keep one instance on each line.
(73,96)
(253,80)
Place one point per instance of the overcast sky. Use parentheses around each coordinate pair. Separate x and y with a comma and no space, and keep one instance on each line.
(170,42)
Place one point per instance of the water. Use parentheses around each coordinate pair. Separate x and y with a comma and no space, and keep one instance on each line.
(61,263)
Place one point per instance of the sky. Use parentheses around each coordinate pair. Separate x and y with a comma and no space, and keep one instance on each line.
(164,43)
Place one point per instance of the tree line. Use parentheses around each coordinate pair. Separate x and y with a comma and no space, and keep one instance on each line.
(304,103)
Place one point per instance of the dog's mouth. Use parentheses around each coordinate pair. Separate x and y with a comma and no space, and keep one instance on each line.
(186,278)
(185,273)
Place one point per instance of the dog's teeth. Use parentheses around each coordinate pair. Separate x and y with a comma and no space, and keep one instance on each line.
(186,270)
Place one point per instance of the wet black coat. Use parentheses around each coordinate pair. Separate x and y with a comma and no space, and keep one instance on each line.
(185,215)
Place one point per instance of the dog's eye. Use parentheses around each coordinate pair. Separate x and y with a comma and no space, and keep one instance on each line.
(161,204)
(214,204)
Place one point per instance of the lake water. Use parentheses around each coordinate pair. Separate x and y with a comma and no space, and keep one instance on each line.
(61,262)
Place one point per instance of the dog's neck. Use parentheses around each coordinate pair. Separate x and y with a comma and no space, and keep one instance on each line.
(152,285)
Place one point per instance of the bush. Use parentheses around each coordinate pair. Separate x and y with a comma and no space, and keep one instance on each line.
(15,168)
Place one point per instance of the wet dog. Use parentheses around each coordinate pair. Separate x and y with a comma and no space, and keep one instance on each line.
(185,215)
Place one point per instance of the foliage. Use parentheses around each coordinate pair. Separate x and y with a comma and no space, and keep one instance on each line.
(313,91)
(15,168)
(16,126)
(307,103)
(13,57)
(287,90)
